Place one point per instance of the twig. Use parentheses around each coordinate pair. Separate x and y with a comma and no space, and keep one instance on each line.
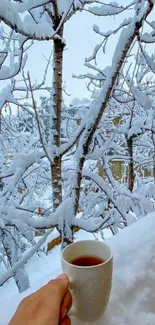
(37,118)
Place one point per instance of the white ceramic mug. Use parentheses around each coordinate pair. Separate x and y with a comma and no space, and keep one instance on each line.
(90,285)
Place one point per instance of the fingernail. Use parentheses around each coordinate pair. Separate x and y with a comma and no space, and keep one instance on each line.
(65,310)
(62,276)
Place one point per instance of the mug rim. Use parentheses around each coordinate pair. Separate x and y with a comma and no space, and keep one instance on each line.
(86,267)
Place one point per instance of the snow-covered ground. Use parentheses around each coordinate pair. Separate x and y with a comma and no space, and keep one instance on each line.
(132,299)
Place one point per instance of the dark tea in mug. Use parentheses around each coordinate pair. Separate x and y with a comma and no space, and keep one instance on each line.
(87,261)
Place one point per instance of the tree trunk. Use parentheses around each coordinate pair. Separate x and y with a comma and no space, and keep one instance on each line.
(153,140)
(131,164)
(56,122)
(66,232)
(154,167)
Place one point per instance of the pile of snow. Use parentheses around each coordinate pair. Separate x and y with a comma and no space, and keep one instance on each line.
(133,292)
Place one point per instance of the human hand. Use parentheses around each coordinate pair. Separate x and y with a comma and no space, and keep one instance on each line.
(47,306)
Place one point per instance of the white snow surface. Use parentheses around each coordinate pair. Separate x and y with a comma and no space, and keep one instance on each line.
(132,299)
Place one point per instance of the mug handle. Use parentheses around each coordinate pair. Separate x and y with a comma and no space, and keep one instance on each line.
(72,311)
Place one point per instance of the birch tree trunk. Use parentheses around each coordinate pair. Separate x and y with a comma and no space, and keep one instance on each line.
(153,140)
(56,123)
(131,164)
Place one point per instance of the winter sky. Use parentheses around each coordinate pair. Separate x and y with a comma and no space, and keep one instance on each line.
(80,42)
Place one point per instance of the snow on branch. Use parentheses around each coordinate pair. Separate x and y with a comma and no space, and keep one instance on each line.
(150,59)
(90,225)
(14,215)
(127,36)
(30,4)
(29,218)
(20,164)
(141,97)
(64,148)
(10,272)
(95,113)
(37,118)
(109,9)
(6,96)
(106,189)
(68,7)
(13,70)
(41,31)
(148,37)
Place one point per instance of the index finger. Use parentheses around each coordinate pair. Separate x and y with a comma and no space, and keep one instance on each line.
(52,296)
(59,287)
